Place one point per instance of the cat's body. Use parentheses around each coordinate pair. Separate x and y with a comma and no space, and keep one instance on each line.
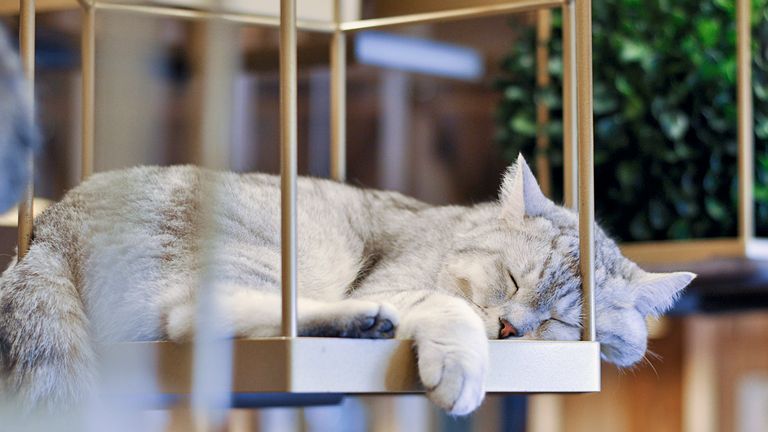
(121,258)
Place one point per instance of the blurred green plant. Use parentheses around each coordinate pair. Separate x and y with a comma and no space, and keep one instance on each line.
(664,110)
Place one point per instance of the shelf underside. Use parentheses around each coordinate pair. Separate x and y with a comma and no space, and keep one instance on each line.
(349,366)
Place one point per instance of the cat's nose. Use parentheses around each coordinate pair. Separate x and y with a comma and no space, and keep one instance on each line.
(506,329)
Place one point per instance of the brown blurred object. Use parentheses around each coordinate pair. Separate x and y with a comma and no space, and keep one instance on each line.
(692,386)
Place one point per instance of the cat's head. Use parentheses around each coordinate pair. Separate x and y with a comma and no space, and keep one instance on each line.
(519,262)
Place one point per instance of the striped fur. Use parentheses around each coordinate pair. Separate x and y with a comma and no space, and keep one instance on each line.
(121,256)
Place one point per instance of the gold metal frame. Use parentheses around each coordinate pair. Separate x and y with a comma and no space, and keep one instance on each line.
(290,374)
(577,37)
(338,97)
(27,48)
(585,167)
(88,65)
(745,119)
(288,144)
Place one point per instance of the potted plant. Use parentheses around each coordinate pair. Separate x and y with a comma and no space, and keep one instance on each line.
(665,116)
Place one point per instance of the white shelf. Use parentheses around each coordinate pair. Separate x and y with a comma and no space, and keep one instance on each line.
(335,365)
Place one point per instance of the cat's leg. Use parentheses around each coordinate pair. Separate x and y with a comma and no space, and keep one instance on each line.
(451,346)
(250,313)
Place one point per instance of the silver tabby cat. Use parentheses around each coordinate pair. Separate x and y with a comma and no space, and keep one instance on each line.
(119,258)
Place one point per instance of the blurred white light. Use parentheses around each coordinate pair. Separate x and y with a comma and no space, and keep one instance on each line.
(418,55)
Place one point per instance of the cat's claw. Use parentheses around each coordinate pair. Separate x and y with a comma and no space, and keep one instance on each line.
(368,323)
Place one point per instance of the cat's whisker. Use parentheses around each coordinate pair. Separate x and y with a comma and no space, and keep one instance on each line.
(654,355)
(645,358)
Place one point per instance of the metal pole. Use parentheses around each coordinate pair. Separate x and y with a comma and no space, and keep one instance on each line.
(570,131)
(27,48)
(745,125)
(88,47)
(288,144)
(586,160)
(543,36)
(338,97)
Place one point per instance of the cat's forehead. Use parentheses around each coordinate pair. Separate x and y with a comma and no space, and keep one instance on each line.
(560,273)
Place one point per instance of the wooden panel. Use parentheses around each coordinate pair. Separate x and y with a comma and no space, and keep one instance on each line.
(693,386)
(742,349)
(643,398)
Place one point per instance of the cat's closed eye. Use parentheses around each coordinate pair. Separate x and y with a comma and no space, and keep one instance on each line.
(514,283)
(560,321)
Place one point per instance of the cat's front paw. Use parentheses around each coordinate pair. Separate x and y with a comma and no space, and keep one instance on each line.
(454,375)
(354,318)
(378,322)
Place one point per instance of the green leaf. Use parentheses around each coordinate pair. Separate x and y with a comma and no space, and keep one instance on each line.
(633,51)
(761,128)
(715,209)
(658,215)
(628,173)
(639,228)
(523,125)
(679,230)
(513,93)
(726,5)
(674,124)
(708,30)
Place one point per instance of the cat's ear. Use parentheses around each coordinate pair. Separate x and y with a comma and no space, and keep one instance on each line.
(520,193)
(655,293)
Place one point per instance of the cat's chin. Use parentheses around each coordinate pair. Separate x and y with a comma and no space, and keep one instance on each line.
(621,359)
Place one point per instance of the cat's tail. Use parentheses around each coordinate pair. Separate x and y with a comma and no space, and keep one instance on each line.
(18,131)
(46,354)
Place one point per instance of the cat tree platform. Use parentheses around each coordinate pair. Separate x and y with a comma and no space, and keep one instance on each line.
(353,366)
(298,365)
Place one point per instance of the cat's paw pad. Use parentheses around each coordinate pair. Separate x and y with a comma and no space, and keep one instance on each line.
(378,322)
(453,377)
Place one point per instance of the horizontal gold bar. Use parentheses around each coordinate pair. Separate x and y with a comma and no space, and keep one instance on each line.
(454,14)
(11,7)
(262,20)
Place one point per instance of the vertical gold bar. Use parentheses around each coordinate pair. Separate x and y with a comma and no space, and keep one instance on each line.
(338,97)
(543,36)
(288,145)
(88,48)
(745,125)
(586,160)
(27,48)
(570,131)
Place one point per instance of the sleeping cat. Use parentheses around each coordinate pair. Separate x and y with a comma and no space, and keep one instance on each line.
(120,256)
